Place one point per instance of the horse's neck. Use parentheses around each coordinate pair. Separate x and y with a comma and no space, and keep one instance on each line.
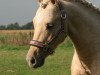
(84,27)
(84,30)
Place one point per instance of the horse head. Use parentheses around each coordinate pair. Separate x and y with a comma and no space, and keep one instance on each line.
(49,31)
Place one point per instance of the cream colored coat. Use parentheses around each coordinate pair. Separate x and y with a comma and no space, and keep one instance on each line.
(83,27)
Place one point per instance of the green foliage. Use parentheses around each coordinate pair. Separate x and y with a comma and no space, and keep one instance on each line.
(27,26)
(2,27)
(16,26)
(13,26)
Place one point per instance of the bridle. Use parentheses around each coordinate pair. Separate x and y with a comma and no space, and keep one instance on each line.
(46,45)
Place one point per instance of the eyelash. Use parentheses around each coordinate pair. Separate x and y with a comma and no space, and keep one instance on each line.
(49,25)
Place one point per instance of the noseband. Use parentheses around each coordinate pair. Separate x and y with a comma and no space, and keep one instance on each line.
(46,45)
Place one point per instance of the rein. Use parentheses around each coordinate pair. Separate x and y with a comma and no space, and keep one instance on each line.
(46,45)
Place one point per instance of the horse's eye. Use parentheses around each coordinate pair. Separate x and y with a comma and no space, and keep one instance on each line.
(49,25)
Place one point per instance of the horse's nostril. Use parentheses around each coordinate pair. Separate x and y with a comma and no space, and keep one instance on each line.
(33,60)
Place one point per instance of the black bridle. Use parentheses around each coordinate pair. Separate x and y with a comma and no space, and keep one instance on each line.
(46,45)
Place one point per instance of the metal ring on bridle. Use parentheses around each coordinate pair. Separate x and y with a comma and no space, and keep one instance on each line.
(63,15)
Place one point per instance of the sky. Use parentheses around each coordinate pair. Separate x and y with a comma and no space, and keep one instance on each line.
(21,11)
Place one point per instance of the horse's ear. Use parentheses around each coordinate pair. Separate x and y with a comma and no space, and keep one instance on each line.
(53,1)
(40,1)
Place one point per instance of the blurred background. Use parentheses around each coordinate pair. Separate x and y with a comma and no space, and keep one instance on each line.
(22,11)
(16,20)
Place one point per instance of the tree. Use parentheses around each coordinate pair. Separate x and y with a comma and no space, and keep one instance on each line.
(28,26)
(14,26)
(2,27)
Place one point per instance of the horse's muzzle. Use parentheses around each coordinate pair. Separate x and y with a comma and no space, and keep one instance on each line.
(35,62)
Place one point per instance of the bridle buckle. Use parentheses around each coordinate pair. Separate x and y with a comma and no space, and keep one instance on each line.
(63,14)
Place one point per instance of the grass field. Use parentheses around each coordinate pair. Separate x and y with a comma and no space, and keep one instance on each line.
(13,50)
(12,61)
(15,37)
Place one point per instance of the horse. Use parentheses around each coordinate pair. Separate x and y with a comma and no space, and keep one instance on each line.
(57,19)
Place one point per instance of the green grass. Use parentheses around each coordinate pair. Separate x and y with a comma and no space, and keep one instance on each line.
(12,61)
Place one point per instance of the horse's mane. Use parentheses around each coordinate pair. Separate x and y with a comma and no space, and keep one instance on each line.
(87,5)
